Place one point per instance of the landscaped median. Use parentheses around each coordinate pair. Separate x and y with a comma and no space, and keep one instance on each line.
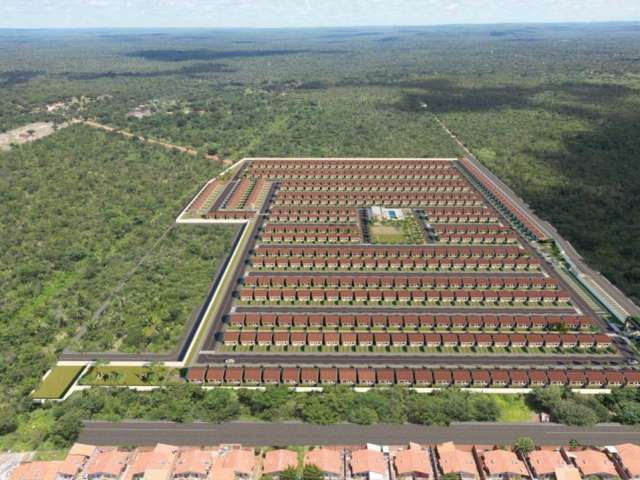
(57,382)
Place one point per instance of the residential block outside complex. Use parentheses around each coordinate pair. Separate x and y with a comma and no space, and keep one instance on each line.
(370,462)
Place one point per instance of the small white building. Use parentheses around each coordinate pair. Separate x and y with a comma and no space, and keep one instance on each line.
(381,213)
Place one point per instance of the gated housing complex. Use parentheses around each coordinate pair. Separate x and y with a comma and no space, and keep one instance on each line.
(421,272)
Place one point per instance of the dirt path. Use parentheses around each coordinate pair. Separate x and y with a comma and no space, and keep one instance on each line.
(452,135)
(151,141)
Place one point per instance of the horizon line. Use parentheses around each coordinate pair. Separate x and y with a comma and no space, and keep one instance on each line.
(300,27)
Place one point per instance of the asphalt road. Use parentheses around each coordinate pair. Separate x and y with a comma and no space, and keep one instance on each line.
(399,273)
(264,434)
(216,323)
(333,309)
(433,360)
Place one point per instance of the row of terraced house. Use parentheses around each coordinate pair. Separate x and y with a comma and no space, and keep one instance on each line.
(416,377)
(232,338)
(410,321)
(409,295)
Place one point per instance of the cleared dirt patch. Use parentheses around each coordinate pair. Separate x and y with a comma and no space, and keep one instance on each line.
(27,133)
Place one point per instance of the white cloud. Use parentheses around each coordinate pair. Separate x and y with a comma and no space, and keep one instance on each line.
(291,13)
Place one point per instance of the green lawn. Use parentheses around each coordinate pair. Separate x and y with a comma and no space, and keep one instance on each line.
(57,382)
(513,408)
(130,376)
(387,234)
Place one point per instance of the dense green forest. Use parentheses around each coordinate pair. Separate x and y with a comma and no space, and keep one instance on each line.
(149,312)
(551,109)
(79,210)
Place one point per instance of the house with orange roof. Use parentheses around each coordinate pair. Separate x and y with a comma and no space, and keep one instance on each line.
(67,469)
(368,464)
(82,449)
(153,464)
(106,464)
(544,463)
(218,471)
(593,463)
(36,471)
(567,473)
(241,461)
(456,461)
(628,458)
(329,462)
(502,465)
(76,459)
(193,463)
(70,467)
(413,462)
(277,461)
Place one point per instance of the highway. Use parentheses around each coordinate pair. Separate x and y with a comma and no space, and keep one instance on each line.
(266,434)
(407,359)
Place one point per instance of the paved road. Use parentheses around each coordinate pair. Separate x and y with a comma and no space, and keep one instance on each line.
(521,274)
(259,434)
(334,309)
(433,360)
(217,322)
(603,282)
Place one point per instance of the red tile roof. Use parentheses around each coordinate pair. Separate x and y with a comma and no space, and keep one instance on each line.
(276,461)
(500,462)
(367,461)
(327,460)
(413,460)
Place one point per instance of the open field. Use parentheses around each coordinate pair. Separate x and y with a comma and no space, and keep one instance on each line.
(514,409)
(387,234)
(27,133)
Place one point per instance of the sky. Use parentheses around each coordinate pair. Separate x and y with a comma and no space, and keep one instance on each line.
(304,13)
